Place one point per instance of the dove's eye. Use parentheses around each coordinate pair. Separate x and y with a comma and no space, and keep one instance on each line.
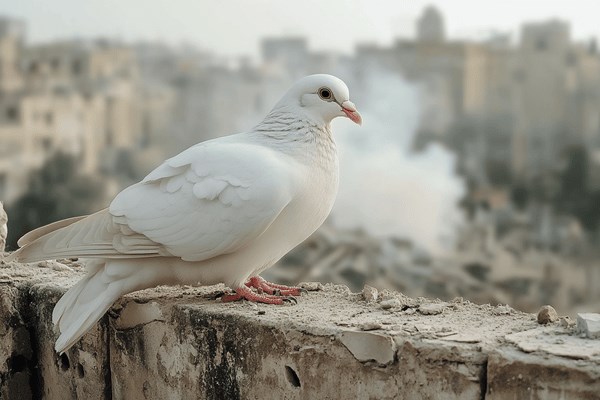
(325,93)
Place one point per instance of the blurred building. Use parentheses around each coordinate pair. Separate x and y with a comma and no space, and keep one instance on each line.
(526,103)
(508,109)
(83,98)
(290,54)
(13,163)
(431,27)
(12,35)
(452,73)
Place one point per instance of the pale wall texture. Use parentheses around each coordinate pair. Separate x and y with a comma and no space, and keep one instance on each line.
(183,343)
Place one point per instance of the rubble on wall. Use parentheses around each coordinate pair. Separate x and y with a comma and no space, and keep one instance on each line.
(485,271)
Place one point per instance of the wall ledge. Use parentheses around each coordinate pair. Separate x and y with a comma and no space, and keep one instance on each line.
(182,343)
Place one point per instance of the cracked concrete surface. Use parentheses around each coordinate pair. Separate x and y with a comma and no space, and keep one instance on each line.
(182,343)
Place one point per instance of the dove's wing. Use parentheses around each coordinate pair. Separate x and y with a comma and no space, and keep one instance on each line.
(211,199)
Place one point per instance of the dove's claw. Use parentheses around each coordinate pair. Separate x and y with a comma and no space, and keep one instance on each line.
(247,294)
(274,288)
(290,300)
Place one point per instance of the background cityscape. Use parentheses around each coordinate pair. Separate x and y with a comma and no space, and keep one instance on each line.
(476,173)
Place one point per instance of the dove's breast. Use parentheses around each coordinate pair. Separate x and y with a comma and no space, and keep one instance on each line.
(312,205)
(305,214)
(315,178)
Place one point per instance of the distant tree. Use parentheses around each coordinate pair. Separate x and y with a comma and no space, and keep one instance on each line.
(574,179)
(462,133)
(590,215)
(55,191)
(574,196)
(520,195)
(498,173)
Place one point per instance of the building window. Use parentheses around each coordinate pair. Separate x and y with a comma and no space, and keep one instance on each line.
(55,64)
(109,137)
(520,76)
(49,118)
(46,144)
(541,44)
(34,67)
(12,113)
(76,67)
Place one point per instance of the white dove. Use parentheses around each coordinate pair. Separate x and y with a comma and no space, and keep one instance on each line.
(221,211)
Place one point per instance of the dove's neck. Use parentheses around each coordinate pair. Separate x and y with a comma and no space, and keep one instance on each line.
(289,122)
(297,135)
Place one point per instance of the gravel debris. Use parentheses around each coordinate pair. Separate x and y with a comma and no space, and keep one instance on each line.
(311,286)
(432,308)
(370,326)
(546,315)
(588,324)
(503,310)
(369,293)
(566,322)
(392,303)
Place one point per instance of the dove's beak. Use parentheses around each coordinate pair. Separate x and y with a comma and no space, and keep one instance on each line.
(349,109)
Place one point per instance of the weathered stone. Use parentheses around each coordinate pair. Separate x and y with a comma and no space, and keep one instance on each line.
(199,352)
(366,346)
(566,322)
(512,374)
(502,310)
(588,324)
(370,293)
(370,326)
(136,314)
(83,372)
(206,349)
(16,355)
(432,308)
(546,315)
(392,303)
(55,265)
(464,337)
(556,341)
(440,369)
(311,286)
(181,343)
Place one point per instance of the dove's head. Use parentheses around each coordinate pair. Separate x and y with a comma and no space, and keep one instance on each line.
(321,97)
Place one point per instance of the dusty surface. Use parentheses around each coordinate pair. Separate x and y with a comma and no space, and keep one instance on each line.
(182,342)
(81,373)
(335,309)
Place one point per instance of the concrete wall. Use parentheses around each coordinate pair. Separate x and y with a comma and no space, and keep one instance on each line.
(183,343)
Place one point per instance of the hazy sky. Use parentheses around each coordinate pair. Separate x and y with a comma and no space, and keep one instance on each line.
(233,27)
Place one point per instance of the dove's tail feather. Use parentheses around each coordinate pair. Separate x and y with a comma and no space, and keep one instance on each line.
(86,302)
(67,301)
(41,231)
(83,305)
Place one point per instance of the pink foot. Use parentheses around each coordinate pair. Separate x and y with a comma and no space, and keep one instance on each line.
(247,294)
(273,288)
